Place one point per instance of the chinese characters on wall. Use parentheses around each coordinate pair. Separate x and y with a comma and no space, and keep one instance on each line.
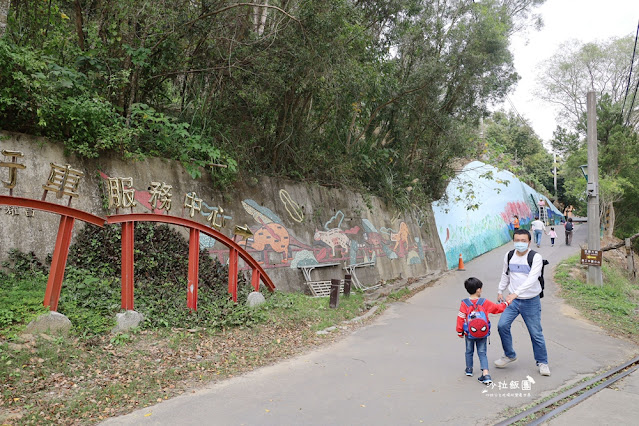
(65,180)
(62,180)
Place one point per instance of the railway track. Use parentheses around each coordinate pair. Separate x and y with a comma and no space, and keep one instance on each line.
(548,409)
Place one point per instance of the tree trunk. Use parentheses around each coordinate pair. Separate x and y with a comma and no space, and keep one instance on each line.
(4,12)
(260,29)
(79,23)
(610,229)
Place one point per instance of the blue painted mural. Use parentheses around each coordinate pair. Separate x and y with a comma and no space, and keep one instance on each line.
(480,204)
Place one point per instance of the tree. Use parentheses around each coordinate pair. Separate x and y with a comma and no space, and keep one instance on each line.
(618,169)
(513,145)
(578,68)
(375,94)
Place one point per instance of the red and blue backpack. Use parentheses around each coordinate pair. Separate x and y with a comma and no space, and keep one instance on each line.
(476,325)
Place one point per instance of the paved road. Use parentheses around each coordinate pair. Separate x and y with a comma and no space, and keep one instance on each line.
(407,367)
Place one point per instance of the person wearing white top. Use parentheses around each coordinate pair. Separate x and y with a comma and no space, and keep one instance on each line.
(522,282)
(537,226)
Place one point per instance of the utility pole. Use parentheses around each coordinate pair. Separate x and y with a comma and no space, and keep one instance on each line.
(592,189)
(554,171)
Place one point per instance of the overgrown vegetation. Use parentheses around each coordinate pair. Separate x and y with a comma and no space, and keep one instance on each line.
(380,96)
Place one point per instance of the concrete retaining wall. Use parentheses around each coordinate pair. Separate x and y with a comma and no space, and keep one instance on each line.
(293,224)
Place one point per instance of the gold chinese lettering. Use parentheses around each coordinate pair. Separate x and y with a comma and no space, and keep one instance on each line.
(192,203)
(121,193)
(13,167)
(160,192)
(217,213)
(63,180)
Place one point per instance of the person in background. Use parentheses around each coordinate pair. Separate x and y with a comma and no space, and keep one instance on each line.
(515,222)
(552,234)
(568,228)
(537,226)
(568,212)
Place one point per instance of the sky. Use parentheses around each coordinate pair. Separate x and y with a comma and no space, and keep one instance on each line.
(582,20)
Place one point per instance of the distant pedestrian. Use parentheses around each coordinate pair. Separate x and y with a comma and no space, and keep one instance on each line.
(524,288)
(552,234)
(568,228)
(515,222)
(473,324)
(538,227)
(568,211)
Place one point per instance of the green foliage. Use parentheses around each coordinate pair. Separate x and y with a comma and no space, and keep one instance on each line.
(161,256)
(121,339)
(338,92)
(20,301)
(161,269)
(165,306)
(513,145)
(22,265)
(89,302)
(618,171)
(296,308)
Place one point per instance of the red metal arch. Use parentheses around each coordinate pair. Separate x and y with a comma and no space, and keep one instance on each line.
(128,224)
(62,242)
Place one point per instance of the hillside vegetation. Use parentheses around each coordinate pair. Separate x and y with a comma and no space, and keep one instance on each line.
(376,95)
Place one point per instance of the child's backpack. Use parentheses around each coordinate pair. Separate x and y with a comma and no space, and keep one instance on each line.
(569,226)
(476,325)
(531,254)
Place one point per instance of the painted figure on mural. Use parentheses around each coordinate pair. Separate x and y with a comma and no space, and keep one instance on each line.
(272,235)
(333,238)
(401,240)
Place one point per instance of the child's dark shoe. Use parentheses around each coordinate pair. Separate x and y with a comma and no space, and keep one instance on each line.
(485,379)
(469,372)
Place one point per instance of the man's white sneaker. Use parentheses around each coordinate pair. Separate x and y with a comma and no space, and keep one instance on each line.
(504,361)
(544,370)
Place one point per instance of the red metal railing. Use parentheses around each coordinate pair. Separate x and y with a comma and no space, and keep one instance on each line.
(195,228)
(68,215)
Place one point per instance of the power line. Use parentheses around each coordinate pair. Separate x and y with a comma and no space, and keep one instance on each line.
(632,62)
(633,103)
(517,112)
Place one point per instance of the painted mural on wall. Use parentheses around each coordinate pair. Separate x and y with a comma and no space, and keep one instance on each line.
(496,196)
(275,245)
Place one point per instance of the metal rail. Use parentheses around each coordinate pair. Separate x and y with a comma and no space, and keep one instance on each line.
(573,391)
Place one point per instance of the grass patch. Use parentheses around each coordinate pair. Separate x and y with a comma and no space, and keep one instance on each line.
(613,306)
(93,374)
(90,376)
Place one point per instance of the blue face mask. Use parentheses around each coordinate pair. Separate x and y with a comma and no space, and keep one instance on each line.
(521,247)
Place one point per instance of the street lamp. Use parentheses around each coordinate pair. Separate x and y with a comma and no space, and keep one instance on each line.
(584,170)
